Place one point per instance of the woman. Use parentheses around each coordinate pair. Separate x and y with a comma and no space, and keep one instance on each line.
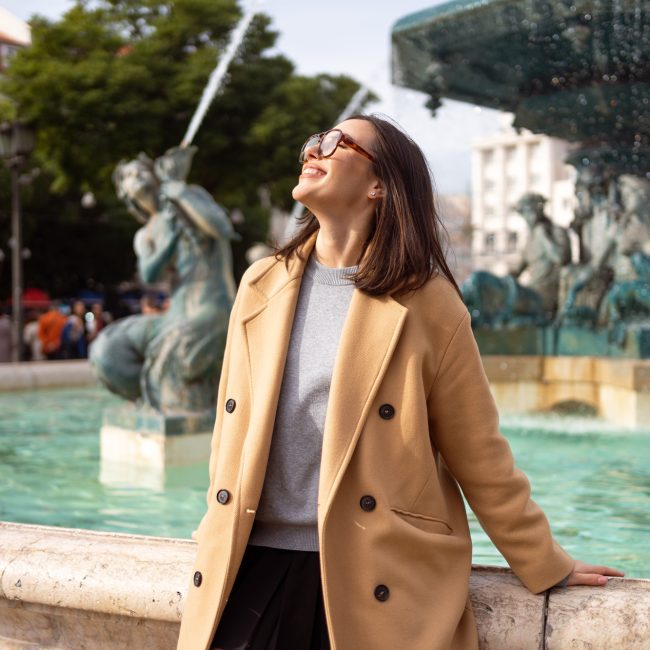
(366,501)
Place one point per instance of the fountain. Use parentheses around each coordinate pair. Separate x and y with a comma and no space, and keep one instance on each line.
(573,70)
(168,365)
(81,588)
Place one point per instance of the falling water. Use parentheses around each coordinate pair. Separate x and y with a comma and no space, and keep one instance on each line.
(215,82)
(354,104)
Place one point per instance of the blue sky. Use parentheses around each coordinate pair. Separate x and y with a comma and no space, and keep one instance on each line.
(360,47)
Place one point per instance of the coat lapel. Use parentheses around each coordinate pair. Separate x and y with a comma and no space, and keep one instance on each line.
(267,324)
(368,340)
(370,334)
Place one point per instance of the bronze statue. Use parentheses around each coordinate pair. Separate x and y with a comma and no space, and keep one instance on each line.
(172,360)
(547,250)
(618,230)
(495,301)
(627,302)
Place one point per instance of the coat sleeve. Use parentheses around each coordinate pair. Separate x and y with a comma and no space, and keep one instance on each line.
(465,429)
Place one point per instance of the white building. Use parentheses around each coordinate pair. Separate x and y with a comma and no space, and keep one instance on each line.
(14,34)
(504,167)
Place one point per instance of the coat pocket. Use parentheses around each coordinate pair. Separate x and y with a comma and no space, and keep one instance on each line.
(425,523)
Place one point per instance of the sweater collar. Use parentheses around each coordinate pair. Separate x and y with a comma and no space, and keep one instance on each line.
(322,274)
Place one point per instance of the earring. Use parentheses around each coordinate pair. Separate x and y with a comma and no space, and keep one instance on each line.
(373,195)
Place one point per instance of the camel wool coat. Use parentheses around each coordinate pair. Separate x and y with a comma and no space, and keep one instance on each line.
(410,423)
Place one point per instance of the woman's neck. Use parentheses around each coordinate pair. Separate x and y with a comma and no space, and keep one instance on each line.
(340,241)
(338,250)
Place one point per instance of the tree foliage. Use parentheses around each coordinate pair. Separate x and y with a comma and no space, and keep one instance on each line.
(116,77)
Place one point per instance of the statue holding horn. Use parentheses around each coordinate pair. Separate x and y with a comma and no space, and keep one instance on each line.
(171,361)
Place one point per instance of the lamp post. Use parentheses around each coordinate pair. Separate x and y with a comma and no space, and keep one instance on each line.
(16,143)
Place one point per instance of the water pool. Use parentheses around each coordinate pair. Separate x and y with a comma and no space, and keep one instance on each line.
(591,478)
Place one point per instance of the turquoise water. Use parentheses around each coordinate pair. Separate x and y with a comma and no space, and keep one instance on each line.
(591,478)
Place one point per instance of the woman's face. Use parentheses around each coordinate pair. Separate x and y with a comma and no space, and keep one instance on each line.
(343,181)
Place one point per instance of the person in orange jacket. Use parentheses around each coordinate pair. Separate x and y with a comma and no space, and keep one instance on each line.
(50,329)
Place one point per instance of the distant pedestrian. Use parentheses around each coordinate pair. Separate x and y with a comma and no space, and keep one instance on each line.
(74,338)
(5,338)
(32,346)
(97,323)
(149,304)
(50,330)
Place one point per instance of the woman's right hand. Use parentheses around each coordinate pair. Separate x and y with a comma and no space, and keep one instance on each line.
(591,574)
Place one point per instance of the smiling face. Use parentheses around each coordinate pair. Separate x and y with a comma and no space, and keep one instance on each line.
(343,182)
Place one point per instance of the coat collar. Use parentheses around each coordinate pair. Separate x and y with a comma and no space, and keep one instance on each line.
(368,340)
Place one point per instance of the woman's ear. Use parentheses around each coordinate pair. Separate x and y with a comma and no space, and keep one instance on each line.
(376,192)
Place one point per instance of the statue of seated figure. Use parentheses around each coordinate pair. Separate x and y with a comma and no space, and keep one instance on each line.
(617,274)
(172,360)
(628,300)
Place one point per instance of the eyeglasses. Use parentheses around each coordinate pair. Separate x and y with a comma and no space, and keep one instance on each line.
(327,143)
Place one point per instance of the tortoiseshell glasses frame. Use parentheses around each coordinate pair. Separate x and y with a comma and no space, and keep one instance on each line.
(327,142)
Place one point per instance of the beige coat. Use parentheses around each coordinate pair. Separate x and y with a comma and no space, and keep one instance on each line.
(418,355)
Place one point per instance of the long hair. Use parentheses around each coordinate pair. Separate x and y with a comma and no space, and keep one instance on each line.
(405,244)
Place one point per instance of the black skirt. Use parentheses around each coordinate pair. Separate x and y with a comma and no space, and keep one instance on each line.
(276,603)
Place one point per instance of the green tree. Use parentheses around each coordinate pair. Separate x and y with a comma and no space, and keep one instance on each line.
(116,77)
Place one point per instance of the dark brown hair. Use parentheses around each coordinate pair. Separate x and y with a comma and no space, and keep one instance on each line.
(405,241)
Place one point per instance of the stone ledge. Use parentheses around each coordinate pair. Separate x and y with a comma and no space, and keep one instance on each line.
(111,573)
(68,588)
(46,374)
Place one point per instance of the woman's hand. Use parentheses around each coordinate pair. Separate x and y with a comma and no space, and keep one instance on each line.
(591,574)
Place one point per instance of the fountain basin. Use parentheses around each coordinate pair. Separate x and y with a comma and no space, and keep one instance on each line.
(590,477)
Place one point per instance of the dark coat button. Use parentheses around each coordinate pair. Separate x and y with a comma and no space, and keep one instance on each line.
(230,405)
(382,592)
(198,579)
(223,496)
(367,503)
(386,411)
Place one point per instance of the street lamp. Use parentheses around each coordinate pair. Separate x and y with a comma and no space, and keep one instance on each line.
(16,143)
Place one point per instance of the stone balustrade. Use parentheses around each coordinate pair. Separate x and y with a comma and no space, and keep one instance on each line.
(46,374)
(63,588)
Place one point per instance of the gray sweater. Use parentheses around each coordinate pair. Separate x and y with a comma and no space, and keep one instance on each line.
(287,513)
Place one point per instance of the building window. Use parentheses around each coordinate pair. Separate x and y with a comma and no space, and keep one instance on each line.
(535,182)
(511,245)
(489,242)
(488,157)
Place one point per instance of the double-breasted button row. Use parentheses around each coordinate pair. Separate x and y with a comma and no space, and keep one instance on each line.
(367,503)
(386,411)
(382,593)
(231,405)
(223,496)
(198,579)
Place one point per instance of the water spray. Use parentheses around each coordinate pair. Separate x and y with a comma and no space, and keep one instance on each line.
(216,80)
